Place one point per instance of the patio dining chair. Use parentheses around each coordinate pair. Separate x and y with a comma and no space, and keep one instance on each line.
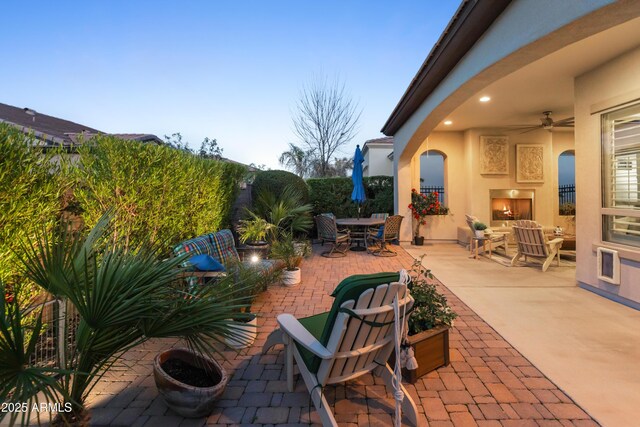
(533,243)
(328,232)
(354,338)
(390,232)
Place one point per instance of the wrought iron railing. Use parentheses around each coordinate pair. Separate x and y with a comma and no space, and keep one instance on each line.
(431,189)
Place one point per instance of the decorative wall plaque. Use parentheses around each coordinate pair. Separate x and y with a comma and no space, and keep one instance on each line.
(494,155)
(529,163)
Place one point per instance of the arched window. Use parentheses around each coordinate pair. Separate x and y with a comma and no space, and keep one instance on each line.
(432,173)
(567,183)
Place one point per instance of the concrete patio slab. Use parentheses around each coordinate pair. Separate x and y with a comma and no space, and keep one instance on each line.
(587,345)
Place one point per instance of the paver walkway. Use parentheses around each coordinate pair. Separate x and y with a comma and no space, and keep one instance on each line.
(488,383)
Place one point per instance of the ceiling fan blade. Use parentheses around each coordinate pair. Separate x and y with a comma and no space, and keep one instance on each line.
(532,129)
(568,120)
(563,125)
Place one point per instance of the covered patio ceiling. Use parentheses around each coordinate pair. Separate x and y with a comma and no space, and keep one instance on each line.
(547,84)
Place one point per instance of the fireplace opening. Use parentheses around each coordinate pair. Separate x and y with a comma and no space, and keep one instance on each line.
(510,205)
(510,209)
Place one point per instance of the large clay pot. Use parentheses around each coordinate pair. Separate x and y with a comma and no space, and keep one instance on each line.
(187,400)
(291,277)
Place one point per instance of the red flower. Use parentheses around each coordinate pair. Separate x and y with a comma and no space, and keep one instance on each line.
(410,205)
(424,211)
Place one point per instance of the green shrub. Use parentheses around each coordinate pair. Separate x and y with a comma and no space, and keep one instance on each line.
(30,196)
(159,193)
(334,195)
(276,181)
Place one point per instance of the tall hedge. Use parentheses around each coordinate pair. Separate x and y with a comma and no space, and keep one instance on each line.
(160,194)
(276,180)
(30,195)
(334,195)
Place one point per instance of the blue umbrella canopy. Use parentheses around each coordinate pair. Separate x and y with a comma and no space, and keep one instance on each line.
(357,195)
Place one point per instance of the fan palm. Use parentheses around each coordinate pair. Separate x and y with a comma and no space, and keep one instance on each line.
(286,211)
(123,298)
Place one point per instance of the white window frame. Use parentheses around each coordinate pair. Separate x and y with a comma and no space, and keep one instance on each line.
(610,185)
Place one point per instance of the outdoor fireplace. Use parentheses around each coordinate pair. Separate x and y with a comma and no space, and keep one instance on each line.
(510,205)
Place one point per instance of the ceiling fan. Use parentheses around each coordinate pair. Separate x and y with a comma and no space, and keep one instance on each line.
(546,122)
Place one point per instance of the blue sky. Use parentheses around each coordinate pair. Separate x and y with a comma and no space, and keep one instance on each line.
(230,70)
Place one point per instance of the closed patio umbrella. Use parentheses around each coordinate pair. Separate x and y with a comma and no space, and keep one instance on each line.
(357,195)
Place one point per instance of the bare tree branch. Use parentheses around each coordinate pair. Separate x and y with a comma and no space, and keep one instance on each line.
(326,119)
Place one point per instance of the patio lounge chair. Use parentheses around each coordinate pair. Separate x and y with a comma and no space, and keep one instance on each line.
(533,243)
(354,338)
(497,239)
(328,232)
(390,232)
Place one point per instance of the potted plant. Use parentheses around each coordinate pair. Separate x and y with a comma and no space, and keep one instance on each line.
(253,231)
(479,228)
(428,323)
(284,250)
(122,299)
(421,206)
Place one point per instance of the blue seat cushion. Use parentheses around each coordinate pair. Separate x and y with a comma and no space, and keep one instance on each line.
(204,262)
(380,232)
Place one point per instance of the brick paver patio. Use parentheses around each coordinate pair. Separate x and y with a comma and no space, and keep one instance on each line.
(487,384)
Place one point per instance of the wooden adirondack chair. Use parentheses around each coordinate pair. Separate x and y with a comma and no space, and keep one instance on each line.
(532,243)
(356,337)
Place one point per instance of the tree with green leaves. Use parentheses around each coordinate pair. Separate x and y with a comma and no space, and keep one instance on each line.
(297,160)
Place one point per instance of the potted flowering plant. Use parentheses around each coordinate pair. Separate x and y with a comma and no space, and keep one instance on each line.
(423,205)
(428,324)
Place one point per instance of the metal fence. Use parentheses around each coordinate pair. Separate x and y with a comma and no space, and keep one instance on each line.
(567,194)
(431,189)
(60,321)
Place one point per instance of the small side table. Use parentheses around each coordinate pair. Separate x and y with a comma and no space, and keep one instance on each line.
(476,241)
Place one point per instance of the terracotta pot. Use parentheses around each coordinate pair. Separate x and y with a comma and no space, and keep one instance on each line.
(187,400)
(418,240)
(291,277)
(248,331)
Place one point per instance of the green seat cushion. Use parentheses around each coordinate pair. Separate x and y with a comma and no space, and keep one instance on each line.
(349,289)
(315,325)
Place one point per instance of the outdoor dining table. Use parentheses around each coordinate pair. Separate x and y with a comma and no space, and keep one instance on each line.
(362,223)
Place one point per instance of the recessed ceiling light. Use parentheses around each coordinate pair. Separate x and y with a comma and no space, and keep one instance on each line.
(448,122)
(485,99)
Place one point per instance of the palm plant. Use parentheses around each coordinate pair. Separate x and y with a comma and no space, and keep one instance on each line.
(285,212)
(123,298)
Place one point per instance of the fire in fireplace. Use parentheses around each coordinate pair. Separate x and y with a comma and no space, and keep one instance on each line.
(510,205)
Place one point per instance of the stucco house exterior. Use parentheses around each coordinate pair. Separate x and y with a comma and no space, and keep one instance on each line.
(378,157)
(499,66)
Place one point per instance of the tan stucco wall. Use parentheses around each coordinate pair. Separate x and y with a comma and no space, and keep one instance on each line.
(503,49)
(467,191)
(602,87)
(451,144)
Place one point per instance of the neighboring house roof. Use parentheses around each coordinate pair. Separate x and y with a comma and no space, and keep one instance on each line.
(142,137)
(387,140)
(54,132)
(50,130)
(469,23)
